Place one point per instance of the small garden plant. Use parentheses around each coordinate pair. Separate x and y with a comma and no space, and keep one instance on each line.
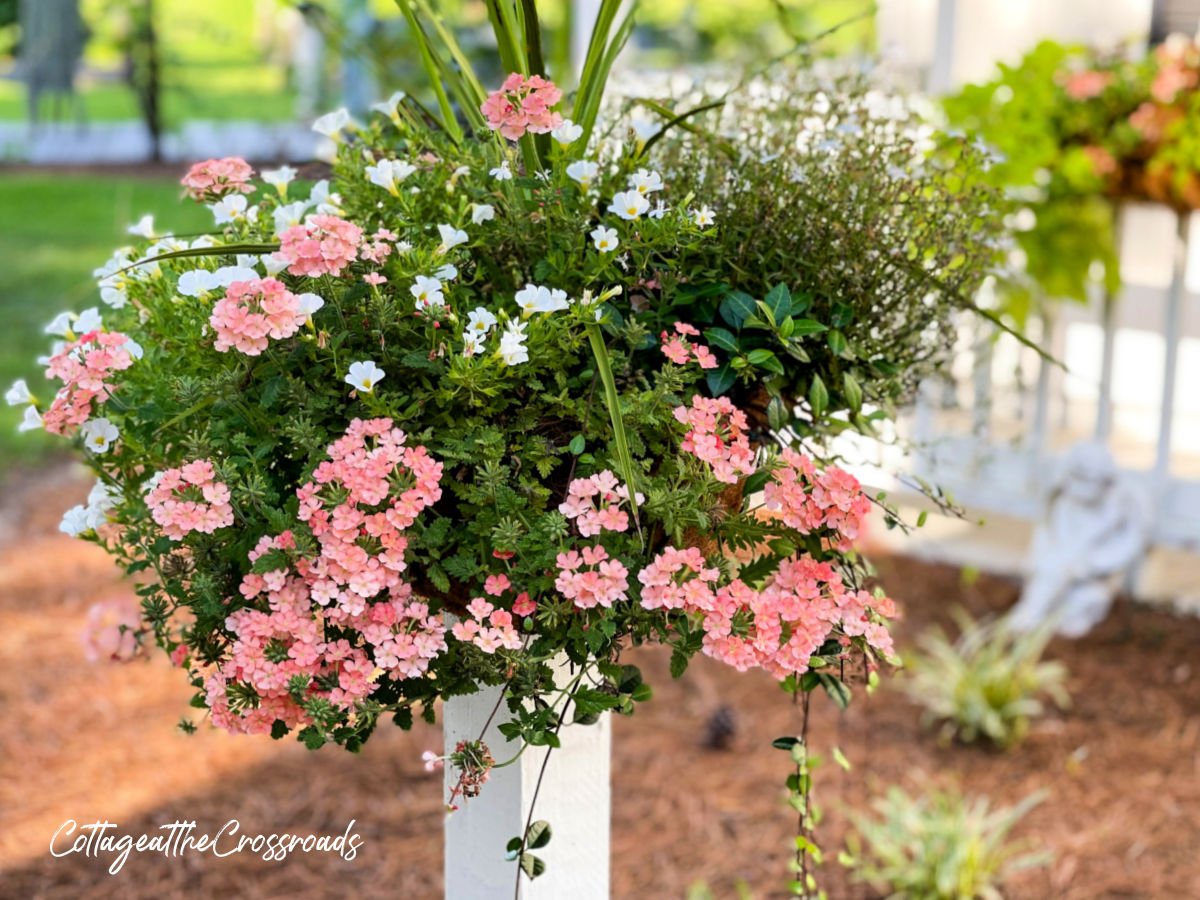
(985,685)
(938,846)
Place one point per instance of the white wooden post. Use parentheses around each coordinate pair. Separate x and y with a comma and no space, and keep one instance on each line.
(574,798)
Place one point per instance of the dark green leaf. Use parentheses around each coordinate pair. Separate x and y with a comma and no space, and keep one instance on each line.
(736,308)
(721,379)
(538,835)
(720,337)
(779,302)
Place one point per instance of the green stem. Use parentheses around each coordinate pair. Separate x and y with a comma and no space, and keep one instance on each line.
(613,400)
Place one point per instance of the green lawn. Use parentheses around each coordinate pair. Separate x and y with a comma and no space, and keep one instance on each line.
(54,229)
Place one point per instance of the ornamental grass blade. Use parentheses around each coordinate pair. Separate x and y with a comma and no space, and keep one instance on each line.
(218,250)
(613,401)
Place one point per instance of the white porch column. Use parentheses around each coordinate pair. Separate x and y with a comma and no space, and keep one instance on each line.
(574,799)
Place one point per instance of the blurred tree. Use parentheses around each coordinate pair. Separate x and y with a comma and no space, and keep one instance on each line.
(52,39)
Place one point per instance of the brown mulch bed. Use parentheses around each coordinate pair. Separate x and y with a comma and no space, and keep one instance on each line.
(93,741)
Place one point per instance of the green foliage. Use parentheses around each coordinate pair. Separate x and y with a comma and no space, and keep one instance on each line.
(939,846)
(837,206)
(987,684)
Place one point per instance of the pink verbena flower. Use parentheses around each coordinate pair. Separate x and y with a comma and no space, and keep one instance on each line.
(84,366)
(252,311)
(489,629)
(590,578)
(323,245)
(595,502)
(677,348)
(214,178)
(522,105)
(718,436)
(807,500)
(190,498)
(678,579)
(110,631)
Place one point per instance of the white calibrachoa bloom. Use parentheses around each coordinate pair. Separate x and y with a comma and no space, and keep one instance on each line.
(133,348)
(502,172)
(308,304)
(332,124)
(230,209)
(18,394)
(75,521)
(451,237)
(99,434)
(428,292)
(364,375)
(645,182)
(390,107)
(605,239)
(567,133)
(279,178)
(69,325)
(629,205)
(112,278)
(388,173)
(31,420)
(512,344)
(643,130)
(480,322)
(583,172)
(703,216)
(198,282)
(81,519)
(448,272)
(144,227)
(660,210)
(482,212)
(535,298)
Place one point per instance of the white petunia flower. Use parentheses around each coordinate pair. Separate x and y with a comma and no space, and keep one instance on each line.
(18,394)
(196,283)
(332,124)
(279,178)
(309,304)
(88,320)
(482,212)
(703,216)
(451,237)
(502,172)
(274,263)
(646,182)
(289,215)
(567,133)
(629,205)
(471,345)
(388,173)
(133,348)
(428,292)
(364,375)
(389,106)
(480,322)
(605,239)
(539,299)
(512,344)
(112,280)
(644,129)
(31,420)
(660,210)
(583,171)
(202,242)
(99,434)
(448,272)
(144,227)
(75,521)
(61,325)
(229,209)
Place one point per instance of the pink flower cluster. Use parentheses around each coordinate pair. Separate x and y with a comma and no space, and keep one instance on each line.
(595,504)
(717,435)
(214,178)
(591,578)
(777,628)
(84,367)
(807,500)
(323,245)
(377,250)
(110,631)
(681,351)
(521,105)
(358,504)
(1086,84)
(190,498)
(489,628)
(252,311)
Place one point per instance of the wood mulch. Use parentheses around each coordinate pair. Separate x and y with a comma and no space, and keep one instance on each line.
(91,741)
